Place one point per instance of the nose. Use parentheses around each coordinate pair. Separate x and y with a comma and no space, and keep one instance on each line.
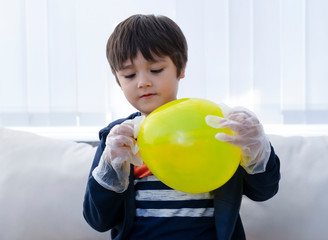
(144,81)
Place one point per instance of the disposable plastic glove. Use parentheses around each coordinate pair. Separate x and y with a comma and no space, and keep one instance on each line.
(121,150)
(248,135)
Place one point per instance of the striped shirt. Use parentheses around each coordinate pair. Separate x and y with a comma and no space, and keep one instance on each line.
(165,213)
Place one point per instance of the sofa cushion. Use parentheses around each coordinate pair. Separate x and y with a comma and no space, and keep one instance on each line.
(42,184)
(299,209)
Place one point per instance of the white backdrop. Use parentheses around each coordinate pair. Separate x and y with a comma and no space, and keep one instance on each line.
(268,55)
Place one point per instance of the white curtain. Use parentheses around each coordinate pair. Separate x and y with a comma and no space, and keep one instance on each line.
(268,55)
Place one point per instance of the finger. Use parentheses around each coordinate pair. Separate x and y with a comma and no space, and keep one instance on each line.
(115,141)
(234,140)
(135,148)
(213,121)
(224,137)
(225,109)
(218,122)
(137,121)
(244,128)
(136,160)
(126,128)
(234,126)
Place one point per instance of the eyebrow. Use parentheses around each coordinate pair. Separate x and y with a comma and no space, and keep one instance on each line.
(124,67)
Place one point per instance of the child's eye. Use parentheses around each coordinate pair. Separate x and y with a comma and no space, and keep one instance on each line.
(156,70)
(130,75)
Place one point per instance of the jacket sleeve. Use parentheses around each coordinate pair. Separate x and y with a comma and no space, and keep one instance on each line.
(263,186)
(102,208)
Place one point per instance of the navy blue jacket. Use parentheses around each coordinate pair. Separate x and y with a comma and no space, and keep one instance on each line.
(104,209)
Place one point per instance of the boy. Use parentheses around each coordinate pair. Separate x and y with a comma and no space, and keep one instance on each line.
(148,56)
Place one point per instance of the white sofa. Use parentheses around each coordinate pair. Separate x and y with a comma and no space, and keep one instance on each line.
(42,183)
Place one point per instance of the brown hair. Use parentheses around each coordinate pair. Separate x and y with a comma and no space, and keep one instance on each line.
(148,34)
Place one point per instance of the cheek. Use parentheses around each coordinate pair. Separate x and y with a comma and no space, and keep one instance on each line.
(172,87)
(127,91)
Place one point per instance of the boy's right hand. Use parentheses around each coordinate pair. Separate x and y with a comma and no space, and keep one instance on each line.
(121,150)
(121,146)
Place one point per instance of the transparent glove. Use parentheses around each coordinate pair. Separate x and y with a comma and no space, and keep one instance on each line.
(248,135)
(121,150)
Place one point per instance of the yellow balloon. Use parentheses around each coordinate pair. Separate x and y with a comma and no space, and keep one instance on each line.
(181,150)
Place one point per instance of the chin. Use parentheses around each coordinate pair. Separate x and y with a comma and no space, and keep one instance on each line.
(148,111)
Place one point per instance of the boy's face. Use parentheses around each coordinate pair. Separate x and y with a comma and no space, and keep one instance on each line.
(149,84)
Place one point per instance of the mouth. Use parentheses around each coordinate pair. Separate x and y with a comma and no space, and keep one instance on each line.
(147,95)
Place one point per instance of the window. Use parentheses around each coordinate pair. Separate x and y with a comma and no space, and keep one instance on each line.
(270,56)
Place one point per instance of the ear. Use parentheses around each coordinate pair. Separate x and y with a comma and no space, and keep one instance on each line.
(182,73)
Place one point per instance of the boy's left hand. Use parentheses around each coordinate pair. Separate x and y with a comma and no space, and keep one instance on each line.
(248,135)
